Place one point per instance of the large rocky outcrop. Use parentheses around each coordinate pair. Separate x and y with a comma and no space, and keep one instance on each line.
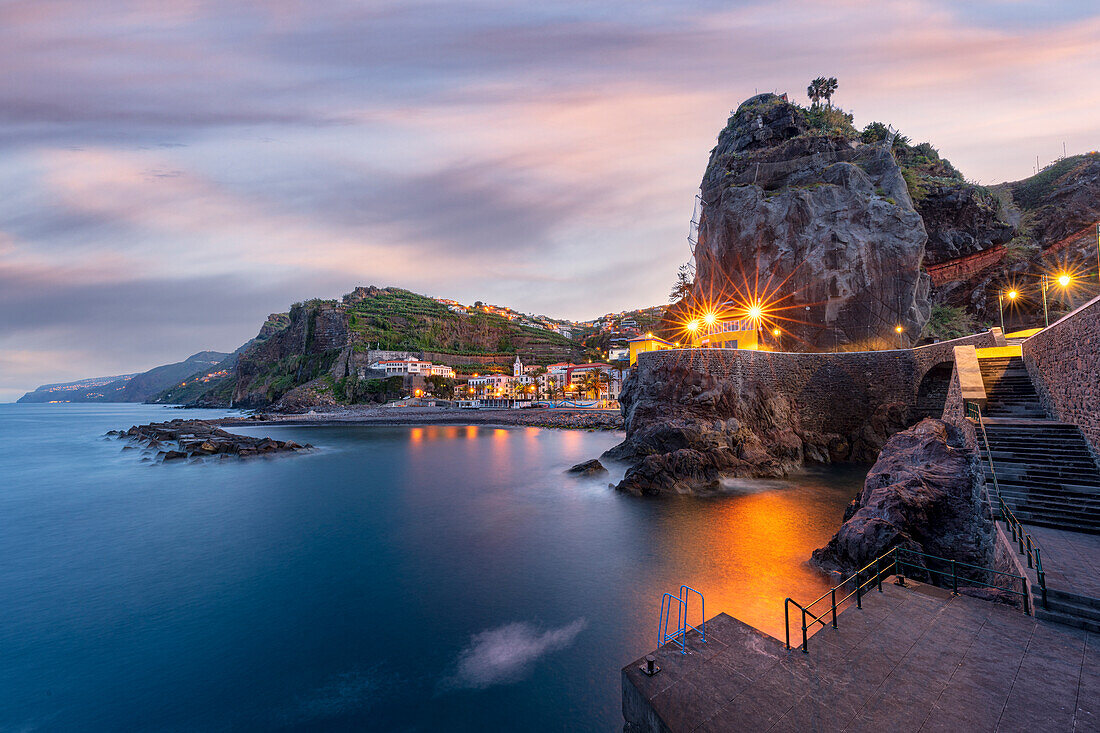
(687,430)
(924,494)
(824,217)
(291,352)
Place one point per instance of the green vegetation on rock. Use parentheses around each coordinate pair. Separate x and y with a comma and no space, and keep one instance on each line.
(950,322)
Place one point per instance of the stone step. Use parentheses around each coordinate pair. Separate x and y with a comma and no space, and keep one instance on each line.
(1067,619)
(1051,475)
(1056,523)
(1034,453)
(1066,511)
(1048,489)
(1025,491)
(1074,463)
(1073,598)
(1043,473)
(1076,460)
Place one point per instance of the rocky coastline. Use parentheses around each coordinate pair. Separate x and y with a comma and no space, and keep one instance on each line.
(686,430)
(375,415)
(182,439)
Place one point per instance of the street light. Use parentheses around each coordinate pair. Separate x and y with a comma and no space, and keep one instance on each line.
(1064,280)
(1011,295)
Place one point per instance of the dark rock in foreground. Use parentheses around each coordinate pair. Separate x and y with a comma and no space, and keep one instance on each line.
(589,468)
(686,430)
(181,439)
(924,494)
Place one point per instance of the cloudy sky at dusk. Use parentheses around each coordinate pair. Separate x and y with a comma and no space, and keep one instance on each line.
(171,172)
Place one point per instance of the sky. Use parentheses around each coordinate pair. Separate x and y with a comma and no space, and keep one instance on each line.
(172,172)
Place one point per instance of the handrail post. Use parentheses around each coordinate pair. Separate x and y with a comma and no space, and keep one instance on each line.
(805,643)
(878,573)
(954,579)
(1027,597)
(1029,551)
(1041,575)
(834,606)
(787,621)
(859,600)
(898,569)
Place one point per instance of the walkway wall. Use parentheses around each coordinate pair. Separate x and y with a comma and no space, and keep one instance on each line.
(1064,364)
(834,392)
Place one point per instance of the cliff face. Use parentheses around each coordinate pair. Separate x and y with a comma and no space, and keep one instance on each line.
(962,219)
(1044,223)
(301,350)
(827,216)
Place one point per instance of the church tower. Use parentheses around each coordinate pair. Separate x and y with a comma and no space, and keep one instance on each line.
(517,368)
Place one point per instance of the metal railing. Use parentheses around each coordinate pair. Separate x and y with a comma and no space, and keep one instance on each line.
(679,636)
(894,562)
(1028,547)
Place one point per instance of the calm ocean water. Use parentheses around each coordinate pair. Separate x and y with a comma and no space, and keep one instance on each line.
(401,578)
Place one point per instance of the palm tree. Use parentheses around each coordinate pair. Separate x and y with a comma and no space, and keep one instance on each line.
(828,90)
(822,88)
(816,90)
(593,381)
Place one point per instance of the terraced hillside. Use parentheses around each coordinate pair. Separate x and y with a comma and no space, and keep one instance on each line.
(318,350)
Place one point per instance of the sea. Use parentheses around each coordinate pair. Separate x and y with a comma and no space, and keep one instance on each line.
(397,578)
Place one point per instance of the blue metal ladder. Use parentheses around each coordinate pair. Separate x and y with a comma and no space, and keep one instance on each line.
(679,635)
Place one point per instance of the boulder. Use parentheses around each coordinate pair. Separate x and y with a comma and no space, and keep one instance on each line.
(174,455)
(924,494)
(589,468)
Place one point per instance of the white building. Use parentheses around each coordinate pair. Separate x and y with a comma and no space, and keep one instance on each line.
(412,365)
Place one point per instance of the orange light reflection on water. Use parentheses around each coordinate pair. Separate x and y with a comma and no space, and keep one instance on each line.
(747,553)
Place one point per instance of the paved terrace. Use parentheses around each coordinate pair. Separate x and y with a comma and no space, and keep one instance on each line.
(913,659)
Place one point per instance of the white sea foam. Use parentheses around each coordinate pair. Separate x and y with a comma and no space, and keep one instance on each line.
(507,653)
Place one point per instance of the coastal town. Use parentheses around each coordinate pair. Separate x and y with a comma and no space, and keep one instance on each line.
(365,457)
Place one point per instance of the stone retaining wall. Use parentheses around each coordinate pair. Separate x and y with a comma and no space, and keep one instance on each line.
(834,392)
(1064,364)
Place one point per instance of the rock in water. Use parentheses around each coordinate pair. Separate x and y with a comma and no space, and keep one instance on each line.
(686,430)
(589,468)
(923,493)
(818,214)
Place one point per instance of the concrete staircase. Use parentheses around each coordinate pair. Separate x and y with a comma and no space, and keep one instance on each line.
(1008,389)
(1048,478)
(1045,473)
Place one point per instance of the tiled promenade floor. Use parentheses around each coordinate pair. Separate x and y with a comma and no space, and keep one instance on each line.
(1071,559)
(912,659)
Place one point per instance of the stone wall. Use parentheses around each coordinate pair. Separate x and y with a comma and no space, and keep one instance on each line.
(833,392)
(1064,364)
